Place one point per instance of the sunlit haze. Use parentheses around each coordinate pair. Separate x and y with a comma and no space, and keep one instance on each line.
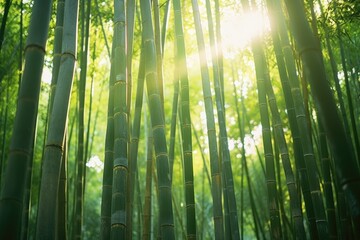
(238,29)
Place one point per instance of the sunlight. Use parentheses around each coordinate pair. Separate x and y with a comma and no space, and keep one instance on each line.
(238,29)
(95,163)
(46,75)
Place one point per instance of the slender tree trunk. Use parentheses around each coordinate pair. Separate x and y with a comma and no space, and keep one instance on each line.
(211,130)
(347,169)
(47,224)
(166,220)
(119,204)
(11,199)
(4,21)
(147,203)
(62,197)
(108,163)
(185,122)
(80,174)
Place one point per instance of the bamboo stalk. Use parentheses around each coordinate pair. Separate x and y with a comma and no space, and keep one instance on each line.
(185,122)
(119,203)
(166,221)
(347,170)
(211,130)
(25,120)
(108,163)
(47,212)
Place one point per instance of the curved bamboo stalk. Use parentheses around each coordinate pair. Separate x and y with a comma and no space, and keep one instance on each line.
(25,121)
(47,212)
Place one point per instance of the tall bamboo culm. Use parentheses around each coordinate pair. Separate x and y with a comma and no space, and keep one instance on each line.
(148,199)
(185,122)
(346,165)
(312,192)
(166,220)
(11,199)
(293,100)
(211,130)
(108,162)
(80,161)
(47,212)
(120,165)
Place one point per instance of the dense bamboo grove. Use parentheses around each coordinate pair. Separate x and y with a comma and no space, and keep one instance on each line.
(179,119)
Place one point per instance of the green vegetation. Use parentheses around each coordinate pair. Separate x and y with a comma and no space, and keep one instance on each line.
(202,120)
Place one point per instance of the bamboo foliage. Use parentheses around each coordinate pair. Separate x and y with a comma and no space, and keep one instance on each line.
(3,22)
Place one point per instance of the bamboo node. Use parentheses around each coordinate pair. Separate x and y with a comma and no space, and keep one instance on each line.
(120,79)
(121,162)
(161,154)
(157,127)
(36,46)
(118,218)
(54,145)
(19,151)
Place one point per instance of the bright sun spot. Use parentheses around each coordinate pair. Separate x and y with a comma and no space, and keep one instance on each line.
(95,163)
(46,75)
(238,29)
